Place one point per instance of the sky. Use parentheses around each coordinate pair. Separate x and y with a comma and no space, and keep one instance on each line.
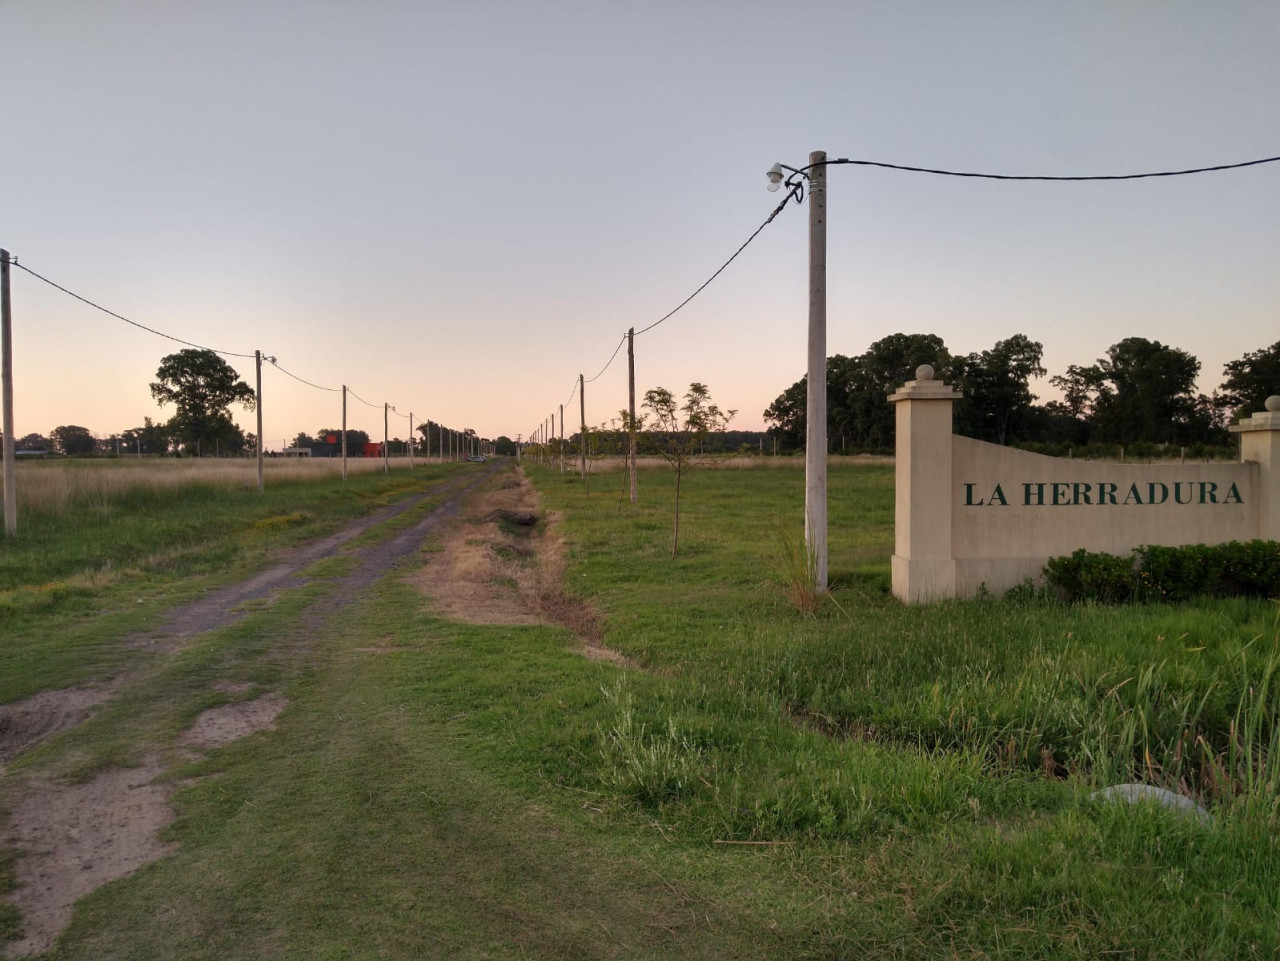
(457,208)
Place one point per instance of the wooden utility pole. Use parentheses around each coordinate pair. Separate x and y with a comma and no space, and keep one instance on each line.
(815,448)
(344,431)
(6,389)
(257,362)
(561,438)
(386,416)
(631,391)
(410,440)
(582,411)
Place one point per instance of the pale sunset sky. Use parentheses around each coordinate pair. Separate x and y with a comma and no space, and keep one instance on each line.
(459,207)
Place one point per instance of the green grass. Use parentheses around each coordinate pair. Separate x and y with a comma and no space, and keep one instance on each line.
(73,583)
(486,792)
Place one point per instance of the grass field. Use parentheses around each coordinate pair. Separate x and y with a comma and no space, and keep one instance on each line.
(871,782)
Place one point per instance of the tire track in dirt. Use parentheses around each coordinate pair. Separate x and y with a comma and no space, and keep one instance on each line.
(219,607)
(73,838)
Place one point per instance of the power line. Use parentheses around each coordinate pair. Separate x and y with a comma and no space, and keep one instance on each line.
(958,173)
(797,189)
(591,380)
(150,330)
(361,399)
(335,390)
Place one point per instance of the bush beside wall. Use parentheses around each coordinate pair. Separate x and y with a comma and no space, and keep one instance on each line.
(1234,569)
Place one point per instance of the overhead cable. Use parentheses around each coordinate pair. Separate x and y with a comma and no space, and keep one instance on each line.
(795,190)
(959,173)
(272,361)
(591,380)
(361,399)
(150,330)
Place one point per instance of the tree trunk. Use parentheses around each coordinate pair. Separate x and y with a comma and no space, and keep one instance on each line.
(675,541)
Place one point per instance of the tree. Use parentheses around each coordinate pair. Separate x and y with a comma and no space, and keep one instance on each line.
(858,410)
(1142,390)
(997,400)
(305,440)
(150,438)
(72,440)
(202,386)
(33,442)
(1250,381)
(679,432)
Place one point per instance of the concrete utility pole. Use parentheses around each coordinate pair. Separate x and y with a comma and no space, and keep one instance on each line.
(257,363)
(386,416)
(631,389)
(410,440)
(815,448)
(562,438)
(6,390)
(582,411)
(344,431)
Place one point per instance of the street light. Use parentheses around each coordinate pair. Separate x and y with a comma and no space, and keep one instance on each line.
(813,178)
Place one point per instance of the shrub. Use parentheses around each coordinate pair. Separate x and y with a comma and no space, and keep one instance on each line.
(1154,573)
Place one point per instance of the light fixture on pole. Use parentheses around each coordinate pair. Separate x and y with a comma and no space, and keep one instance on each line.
(813,179)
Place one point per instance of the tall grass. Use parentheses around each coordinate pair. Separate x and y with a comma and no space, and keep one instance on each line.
(55,488)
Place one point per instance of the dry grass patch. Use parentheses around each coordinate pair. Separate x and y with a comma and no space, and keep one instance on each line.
(490,570)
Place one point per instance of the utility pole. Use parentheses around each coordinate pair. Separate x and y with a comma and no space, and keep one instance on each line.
(631,392)
(386,416)
(410,440)
(6,389)
(582,410)
(344,431)
(815,448)
(257,362)
(562,438)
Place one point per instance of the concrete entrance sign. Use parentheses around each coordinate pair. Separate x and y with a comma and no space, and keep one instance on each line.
(972,515)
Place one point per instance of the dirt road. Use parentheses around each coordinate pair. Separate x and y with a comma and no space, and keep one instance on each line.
(72,838)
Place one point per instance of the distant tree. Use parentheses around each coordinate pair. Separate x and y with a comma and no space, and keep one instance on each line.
(150,438)
(304,440)
(1142,390)
(504,446)
(202,386)
(33,442)
(858,410)
(786,415)
(356,439)
(678,431)
(997,401)
(1250,381)
(72,440)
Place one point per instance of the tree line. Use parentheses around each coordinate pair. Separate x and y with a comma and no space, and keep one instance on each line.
(1141,391)
(202,388)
